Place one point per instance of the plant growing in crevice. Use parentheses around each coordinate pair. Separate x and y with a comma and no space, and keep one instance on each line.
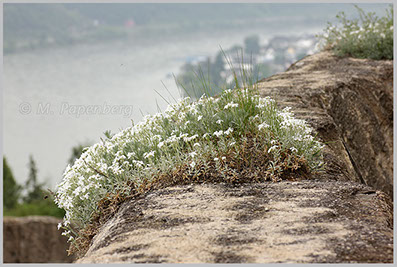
(235,137)
(368,37)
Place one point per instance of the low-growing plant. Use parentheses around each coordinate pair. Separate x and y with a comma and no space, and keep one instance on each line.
(367,37)
(235,137)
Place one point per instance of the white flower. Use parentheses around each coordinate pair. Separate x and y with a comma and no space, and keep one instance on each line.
(223,158)
(188,139)
(160,144)
(382,35)
(229,131)
(193,164)
(59,225)
(231,105)
(172,139)
(271,149)
(199,118)
(218,133)
(147,155)
(196,145)
(263,125)
(216,159)
(293,149)
(66,233)
(205,135)
(219,121)
(158,137)
(193,154)
(138,163)
(232,143)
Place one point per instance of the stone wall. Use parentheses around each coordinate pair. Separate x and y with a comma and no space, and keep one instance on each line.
(341,215)
(34,239)
(349,102)
(310,221)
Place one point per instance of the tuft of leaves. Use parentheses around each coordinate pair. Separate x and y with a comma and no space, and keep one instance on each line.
(235,137)
(367,37)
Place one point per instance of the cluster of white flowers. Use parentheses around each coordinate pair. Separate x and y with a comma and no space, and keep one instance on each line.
(263,102)
(148,155)
(231,105)
(221,132)
(359,32)
(367,37)
(263,125)
(371,29)
(160,140)
(289,122)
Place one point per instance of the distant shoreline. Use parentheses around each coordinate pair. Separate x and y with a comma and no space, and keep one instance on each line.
(115,33)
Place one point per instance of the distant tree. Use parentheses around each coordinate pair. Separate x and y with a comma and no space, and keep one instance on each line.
(219,62)
(193,79)
(34,189)
(36,202)
(251,44)
(235,49)
(77,150)
(216,69)
(11,190)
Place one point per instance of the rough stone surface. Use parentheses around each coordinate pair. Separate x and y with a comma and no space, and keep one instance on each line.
(300,222)
(34,239)
(349,102)
(343,215)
